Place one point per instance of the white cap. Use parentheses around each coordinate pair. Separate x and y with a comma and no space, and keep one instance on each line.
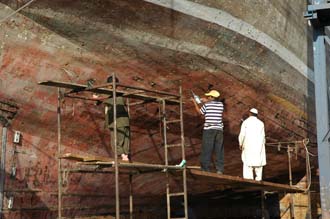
(254,110)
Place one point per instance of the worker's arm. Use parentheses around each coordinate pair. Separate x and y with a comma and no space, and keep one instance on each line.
(241,136)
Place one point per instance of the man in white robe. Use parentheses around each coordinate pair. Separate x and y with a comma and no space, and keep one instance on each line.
(252,143)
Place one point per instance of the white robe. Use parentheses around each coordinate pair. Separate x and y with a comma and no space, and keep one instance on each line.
(252,139)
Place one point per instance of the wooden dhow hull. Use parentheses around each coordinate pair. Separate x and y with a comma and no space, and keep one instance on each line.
(153,44)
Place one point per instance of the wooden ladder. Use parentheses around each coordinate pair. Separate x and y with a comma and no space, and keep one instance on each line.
(169,191)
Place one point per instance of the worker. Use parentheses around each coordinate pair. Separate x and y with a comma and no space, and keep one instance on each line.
(123,127)
(212,140)
(252,143)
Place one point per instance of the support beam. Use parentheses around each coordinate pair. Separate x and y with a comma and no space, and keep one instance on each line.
(319,16)
(322,118)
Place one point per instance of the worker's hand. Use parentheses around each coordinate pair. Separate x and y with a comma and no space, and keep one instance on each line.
(203,99)
(95,96)
(193,100)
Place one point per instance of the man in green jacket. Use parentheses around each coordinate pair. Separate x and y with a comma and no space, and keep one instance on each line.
(123,127)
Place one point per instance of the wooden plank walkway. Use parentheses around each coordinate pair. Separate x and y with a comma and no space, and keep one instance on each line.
(239,182)
(110,162)
(229,182)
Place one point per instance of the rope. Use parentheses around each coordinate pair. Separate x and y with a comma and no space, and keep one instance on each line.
(15,12)
(286,144)
(309,180)
(308,154)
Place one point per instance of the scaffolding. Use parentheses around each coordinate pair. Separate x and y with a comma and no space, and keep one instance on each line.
(163,99)
(145,96)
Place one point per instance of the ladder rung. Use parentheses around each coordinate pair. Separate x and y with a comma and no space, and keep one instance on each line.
(176,194)
(173,121)
(173,145)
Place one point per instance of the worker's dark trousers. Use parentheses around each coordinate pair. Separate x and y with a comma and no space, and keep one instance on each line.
(123,140)
(212,140)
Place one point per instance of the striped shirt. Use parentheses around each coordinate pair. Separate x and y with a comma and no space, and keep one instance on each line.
(213,114)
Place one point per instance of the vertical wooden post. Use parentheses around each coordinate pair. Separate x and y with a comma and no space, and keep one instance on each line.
(290,179)
(308,183)
(3,167)
(184,173)
(262,196)
(59,164)
(114,96)
(168,198)
(130,196)
(130,175)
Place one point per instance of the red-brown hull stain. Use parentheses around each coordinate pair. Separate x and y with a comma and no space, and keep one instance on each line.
(78,40)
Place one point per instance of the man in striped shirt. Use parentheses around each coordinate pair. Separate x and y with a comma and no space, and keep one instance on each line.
(212,110)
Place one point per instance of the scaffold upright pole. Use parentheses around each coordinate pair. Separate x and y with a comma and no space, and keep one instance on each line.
(114,96)
(184,171)
(59,167)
